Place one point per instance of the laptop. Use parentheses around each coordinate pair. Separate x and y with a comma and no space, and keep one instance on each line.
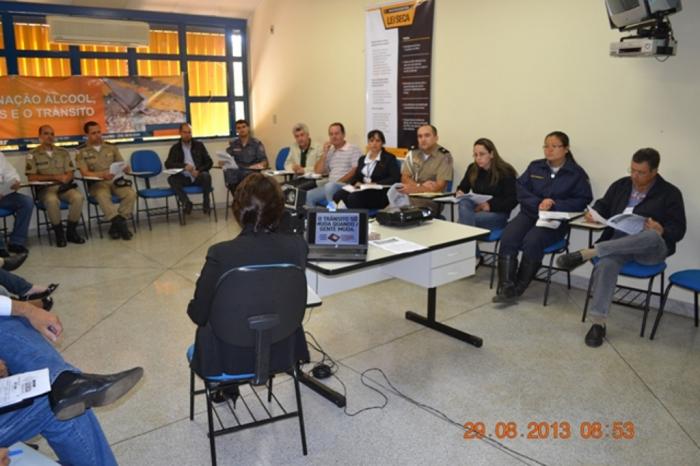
(339,236)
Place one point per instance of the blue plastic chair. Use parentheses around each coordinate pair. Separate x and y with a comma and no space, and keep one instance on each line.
(687,279)
(561,246)
(281,158)
(194,189)
(146,164)
(41,209)
(94,212)
(633,269)
(494,237)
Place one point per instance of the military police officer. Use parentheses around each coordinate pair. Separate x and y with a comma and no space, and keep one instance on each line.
(427,169)
(249,154)
(48,162)
(94,160)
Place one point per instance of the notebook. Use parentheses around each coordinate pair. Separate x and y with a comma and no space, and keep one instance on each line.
(339,236)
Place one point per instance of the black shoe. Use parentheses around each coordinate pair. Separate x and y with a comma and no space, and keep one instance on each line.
(124,232)
(72,234)
(223,394)
(18,249)
(60,236)
(13,262)
(570,261)
(507,268)
(114,229)
(187,208)
(44,294)
(594,337)
(72,393)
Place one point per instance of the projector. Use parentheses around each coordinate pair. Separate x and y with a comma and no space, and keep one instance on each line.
(643,47)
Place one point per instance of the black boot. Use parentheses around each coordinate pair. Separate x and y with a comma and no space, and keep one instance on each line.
(114,231)
(507,267)
(124,229)
(526,273)
(72,393)
(60,236)
(72,233)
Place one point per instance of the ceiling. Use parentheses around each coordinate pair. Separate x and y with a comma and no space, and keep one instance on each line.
(231,9)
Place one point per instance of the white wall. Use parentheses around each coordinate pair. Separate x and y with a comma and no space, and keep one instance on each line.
(510,70)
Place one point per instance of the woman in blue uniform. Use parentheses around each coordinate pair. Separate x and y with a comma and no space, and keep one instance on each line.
(555,183)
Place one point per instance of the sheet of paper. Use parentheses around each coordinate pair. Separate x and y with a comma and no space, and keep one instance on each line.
(349,188)
(553,224)
(16,388)
(477,198)
(227,160)
(396,245)
(627,223)
(551,215)
(312,176)
(117,169)
(23,455)
(450,199)
(172,171)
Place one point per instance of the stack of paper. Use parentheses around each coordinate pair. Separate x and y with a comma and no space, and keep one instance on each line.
(227,160)
(396,245)
(117,169)
(551,219)
(626,222)
(475,198)
(363,187)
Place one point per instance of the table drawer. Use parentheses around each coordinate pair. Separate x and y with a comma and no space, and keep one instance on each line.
(451,272)
(452,254)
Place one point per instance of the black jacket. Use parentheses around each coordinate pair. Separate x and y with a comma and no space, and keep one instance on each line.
(387,171)
(211,355)
(569,188)
(504,197)
(176,156)
(663,203)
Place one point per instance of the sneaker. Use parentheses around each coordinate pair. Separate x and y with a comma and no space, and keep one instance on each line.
(594,337)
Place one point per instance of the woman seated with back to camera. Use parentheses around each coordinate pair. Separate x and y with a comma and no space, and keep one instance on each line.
(555,183)
(488,174)
(258,207)
(378,167)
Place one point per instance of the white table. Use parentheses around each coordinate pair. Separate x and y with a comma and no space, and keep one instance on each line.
(449,255)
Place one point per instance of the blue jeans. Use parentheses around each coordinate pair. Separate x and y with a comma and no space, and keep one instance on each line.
(22,206)
(488,220)
(322,193)
(15,284)
(78,441)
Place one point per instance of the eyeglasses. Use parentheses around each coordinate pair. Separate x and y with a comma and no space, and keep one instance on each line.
(552,146)
(632,171)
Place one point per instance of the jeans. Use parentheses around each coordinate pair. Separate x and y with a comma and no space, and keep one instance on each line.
(488,220)
(78,441)
(647,248)
(22,206)
(322,193)
(15,284)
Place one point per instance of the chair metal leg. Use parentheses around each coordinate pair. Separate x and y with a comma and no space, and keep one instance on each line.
(269,389)
(300,411)
(213,206)
(228,193)
(588,296)
(494,264)
(85,230)
(549,279)
(191,395)
(661,311)
(148,214)
(647,301)
(696,309)
(210,421)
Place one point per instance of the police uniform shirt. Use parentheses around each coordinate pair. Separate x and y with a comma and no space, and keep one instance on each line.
(98,159)
(250,154)
(437,166)
(39,162)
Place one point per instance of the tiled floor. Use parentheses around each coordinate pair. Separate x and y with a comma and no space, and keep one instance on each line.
(123,304)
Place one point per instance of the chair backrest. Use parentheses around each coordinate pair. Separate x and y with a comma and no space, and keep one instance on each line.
(281,158)
(146,160)
(257,306)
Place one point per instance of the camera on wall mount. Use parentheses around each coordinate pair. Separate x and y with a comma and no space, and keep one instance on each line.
(648,20)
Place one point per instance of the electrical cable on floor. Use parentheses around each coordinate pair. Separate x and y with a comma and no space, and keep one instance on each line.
(523,458)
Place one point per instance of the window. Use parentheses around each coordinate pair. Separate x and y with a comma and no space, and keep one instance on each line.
(209,52)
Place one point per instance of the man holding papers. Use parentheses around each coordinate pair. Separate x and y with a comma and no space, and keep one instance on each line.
(103,166)
(19,204)
(192,156)
(648,241)
(492,178)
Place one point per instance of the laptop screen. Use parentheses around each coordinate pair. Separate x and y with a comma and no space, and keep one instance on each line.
(340,228)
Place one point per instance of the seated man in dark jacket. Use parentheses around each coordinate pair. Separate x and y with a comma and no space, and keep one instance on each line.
(644,193)
(190,155)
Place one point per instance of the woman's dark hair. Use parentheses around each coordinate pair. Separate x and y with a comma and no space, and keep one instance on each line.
(649,155)
(258,202)
(564,139)
(499,167)
(375,133)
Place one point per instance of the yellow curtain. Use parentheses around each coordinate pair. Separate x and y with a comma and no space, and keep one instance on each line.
(158,67)
(3,67)
(35,37)
(207,78)
(209,118)
(44,67)
(104,67)
(206,43)
(161,42)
